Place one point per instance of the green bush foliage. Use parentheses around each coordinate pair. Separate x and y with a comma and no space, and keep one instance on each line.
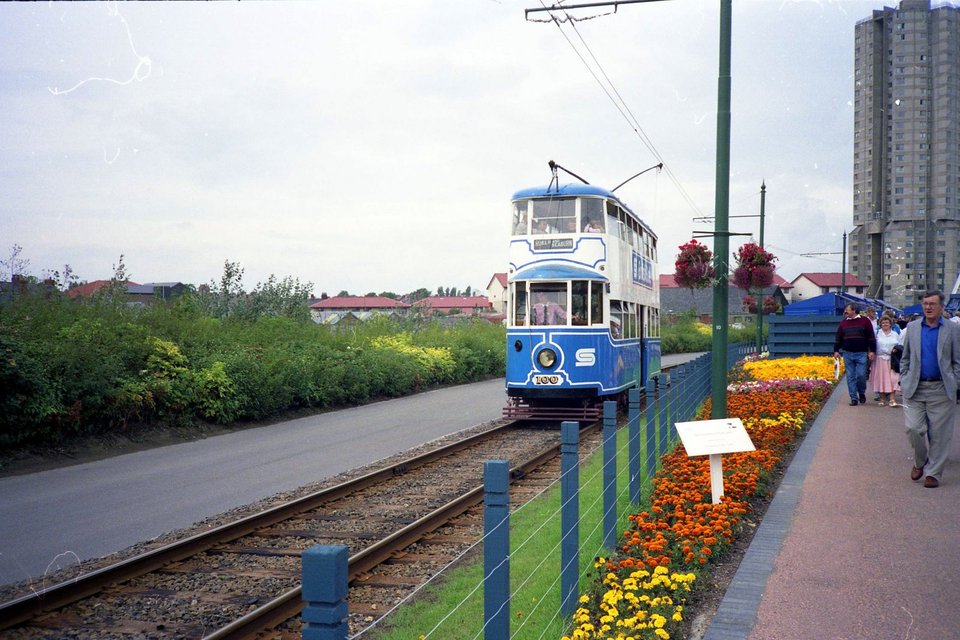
(79,367)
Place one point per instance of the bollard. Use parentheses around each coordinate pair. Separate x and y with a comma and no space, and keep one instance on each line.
(325,592)
(633,424)
(496,550)
(650,428)
(569,517)
(610,474)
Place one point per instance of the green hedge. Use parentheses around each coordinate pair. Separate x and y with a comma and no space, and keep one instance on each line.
(70,368)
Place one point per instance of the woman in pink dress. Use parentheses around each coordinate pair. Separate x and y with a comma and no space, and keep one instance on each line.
(884,379)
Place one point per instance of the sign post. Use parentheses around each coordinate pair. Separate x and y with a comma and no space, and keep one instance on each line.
(713,438)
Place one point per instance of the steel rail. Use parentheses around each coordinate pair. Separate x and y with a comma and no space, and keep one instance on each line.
(290,604)
(64,593)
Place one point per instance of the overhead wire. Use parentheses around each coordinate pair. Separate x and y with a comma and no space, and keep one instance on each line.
(619,103)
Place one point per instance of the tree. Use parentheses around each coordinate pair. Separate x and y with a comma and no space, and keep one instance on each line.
(693,268)
(15,265)
(116,291)
(343,294)
(468,291)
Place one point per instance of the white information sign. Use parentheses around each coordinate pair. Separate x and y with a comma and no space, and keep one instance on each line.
(712,438)
(706,437)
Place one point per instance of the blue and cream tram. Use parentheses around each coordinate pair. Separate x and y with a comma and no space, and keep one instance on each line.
(583,320)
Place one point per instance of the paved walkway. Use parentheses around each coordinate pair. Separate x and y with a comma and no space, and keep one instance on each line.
(850,547)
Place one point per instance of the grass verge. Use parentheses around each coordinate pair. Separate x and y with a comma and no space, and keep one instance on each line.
(453,608)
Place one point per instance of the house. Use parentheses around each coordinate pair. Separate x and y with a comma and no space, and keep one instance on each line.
(136,294)
(497,292)
(468,305)
(676,300)
(331,310)
(811,284)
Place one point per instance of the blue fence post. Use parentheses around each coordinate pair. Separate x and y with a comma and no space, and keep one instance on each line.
(681,397)
(650,428)
(610,474)
(324,569)
(496,550)
(633,424)
(569,517)
(663,401)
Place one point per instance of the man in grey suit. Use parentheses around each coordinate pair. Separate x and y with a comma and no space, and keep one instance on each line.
(929,371)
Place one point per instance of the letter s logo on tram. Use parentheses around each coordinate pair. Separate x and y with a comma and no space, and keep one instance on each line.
(586,357)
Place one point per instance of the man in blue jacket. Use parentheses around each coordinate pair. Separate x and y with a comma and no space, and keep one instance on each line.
(929,373)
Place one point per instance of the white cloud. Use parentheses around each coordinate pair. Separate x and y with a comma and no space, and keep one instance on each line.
(375,146)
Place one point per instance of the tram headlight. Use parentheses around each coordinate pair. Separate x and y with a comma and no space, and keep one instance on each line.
(547,358)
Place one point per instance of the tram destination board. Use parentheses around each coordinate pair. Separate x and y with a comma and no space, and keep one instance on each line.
(548,244)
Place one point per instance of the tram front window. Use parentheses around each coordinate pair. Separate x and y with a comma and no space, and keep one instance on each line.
(554,216)
(549,304)
(591,215)
(578,302)
(520,218)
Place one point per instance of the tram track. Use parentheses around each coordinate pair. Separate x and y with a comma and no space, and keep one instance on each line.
(242,577)
(402,522)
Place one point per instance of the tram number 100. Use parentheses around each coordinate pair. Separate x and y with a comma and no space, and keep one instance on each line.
(546,379)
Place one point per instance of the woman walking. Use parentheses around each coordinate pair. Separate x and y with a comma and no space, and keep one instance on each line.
(884,379)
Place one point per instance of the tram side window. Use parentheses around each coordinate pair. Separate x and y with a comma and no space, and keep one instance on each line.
(520,218)
(616,319)
(630,319)
(579,292)
(555,216)
(519,304)
(613,219)
(596,303)
(591,215)
(548,304)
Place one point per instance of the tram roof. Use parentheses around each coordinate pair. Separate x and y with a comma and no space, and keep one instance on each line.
(557,272)
(573,189)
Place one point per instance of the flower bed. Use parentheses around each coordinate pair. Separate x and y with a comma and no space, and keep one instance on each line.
(641,593)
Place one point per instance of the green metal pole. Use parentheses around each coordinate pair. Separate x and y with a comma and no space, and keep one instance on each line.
(763,198)
(718,386)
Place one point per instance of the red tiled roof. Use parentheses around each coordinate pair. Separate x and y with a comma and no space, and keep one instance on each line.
(822,279)
(668,281)
(499,277)
(358,302)
(454,302)
(90,288)
(780,282)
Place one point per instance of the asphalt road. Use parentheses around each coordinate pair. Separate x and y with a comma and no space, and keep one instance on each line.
(59,518)
(55,519)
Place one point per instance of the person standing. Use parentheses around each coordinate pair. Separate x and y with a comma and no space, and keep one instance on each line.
(858,343)
(884,379)
(929,370)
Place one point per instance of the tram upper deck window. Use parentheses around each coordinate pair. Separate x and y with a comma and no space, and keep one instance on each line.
(591,215)
(613,220)
(520,227)
(548,303)
(556,215)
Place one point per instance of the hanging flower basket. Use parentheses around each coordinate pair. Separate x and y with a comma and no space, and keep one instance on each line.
(693,268)
(755,267)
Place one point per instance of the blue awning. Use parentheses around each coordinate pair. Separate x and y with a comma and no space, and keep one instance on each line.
(556,272)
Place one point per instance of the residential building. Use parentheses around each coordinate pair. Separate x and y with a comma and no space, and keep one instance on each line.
(332,310)
(809,285)
(906,151)
(497,292)
(136,294)
(676,300)
(469,305)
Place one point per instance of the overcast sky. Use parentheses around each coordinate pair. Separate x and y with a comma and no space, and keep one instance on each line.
(374,146)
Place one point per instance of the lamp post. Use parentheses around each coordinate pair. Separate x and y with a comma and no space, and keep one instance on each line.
(763,199)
